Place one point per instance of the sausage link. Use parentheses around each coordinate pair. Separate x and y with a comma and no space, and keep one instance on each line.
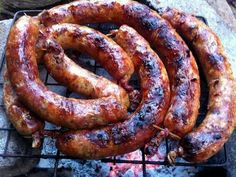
(207,139)
(23,120)
(135,132)
(68,112)
(100,47)
(179,61)
(106,52)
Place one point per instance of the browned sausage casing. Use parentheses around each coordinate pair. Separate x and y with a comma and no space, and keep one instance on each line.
(23,120)
(79,80)
(24,76)
(135,132)
(214,131)
(180,64)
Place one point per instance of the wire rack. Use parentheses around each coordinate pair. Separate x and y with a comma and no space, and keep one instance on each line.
(218,160)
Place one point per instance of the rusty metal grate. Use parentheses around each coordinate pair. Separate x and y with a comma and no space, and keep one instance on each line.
(219,159)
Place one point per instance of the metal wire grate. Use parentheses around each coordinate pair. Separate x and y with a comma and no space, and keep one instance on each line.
(218,160)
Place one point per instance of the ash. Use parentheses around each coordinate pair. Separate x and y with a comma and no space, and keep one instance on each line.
(88,168)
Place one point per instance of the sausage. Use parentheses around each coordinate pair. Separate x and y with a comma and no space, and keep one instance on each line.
(22,119)
(138,129)
(106,52)
(78,79)
(179,61)
(24,76)
(207,139)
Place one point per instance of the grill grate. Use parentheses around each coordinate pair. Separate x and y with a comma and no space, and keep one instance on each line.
(219,159)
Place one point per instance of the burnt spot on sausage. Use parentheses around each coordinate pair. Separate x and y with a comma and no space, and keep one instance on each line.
(149,64)
(67,137)
(100,42)
(149,23)
(142,15)
(179,61)
(180,112)
(188,52)
(58,59)
(53,47)
(169,40)
(191,145)
(217,136)
(194,80)
(67,107)
(77,34)
(143,119)
(216,83)
(101,138)
(45,17)
(156,93)
(182,88)
(134,9)
(216,60)
(122,134)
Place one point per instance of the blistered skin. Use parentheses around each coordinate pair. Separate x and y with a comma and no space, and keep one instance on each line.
(67,112)
(179,61)
(207,139)
(22,119)
(79,80)
(135,132)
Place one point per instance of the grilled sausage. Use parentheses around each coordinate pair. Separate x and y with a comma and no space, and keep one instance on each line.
(24,76)
(79,80)
(207,139)
(23,120)
(133,133)
(99,46)
(180,64)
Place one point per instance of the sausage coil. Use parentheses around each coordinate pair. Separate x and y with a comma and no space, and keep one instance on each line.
(180,64)
(135,132)
(68,112)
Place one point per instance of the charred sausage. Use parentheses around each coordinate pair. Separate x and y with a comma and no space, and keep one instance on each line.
(24,76)
(207,139)
(179,61)
(135,132)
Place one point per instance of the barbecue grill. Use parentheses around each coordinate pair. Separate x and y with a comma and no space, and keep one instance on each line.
(142,159)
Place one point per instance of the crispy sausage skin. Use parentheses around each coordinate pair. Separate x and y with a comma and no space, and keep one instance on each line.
(24,76)
(181,66)
(23,120)
(135,132)
(207,139)
(79,80)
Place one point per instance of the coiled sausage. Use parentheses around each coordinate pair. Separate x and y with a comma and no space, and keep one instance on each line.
(135,132)
(68,112)
(181,66)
